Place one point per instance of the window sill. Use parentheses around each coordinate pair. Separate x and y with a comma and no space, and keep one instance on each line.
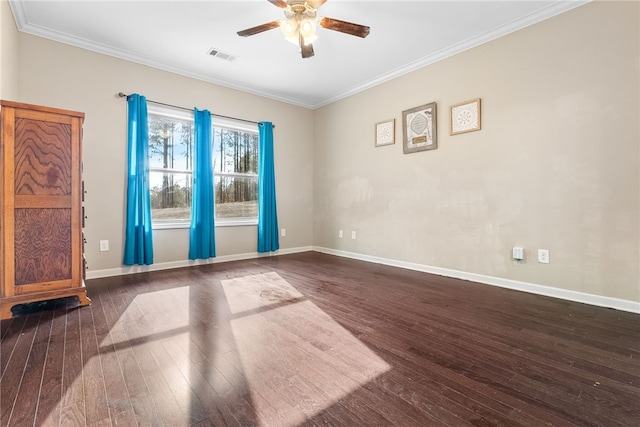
(169,225)
(235,222)
(218,223)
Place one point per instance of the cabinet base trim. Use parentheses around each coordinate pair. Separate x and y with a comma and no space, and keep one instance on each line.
(7,303)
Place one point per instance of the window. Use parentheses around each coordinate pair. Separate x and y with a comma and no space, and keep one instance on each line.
(170,166)
(235,169)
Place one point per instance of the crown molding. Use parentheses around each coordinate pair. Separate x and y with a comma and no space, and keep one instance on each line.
(554,9)
(19,15)
(515,25)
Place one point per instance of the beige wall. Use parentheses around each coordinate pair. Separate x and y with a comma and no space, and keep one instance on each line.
(8,54)
(62,76)
(555,165)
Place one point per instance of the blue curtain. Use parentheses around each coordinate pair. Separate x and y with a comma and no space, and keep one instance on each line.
(268,237)
(202,241)
(138,244)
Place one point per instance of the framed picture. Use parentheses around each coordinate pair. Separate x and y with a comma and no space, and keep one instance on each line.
(419,128)
(385,132)
(464,117)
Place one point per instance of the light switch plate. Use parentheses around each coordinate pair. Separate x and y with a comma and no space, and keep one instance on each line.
(518,253)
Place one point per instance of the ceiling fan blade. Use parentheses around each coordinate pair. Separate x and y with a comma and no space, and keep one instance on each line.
(344,27)
(281,4)
(316,3)
(306,50)
(259,29)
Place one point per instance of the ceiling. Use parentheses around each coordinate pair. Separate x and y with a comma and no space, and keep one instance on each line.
(177,35)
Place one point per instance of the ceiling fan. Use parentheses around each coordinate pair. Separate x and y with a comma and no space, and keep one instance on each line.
(299,27)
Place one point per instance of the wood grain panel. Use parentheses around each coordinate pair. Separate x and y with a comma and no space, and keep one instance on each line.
(42,202)
(42,158)
(42,245)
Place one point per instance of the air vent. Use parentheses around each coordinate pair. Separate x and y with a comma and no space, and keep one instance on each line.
(218,54)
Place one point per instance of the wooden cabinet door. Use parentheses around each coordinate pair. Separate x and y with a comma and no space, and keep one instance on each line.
(41,192)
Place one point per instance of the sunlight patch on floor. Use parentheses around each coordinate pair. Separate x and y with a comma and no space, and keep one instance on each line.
(296,359)
(150,321)
(152,316)
(255,334)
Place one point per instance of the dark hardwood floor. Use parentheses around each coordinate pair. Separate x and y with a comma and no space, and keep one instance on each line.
(311,339)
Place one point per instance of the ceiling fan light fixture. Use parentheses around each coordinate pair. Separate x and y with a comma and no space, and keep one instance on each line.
(308,28)
(289,27)
(293,28)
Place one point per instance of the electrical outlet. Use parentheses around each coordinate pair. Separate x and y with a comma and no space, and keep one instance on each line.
(340,234)
(518,253)
(283,232)
(353,235)
(104,245)
(543,256)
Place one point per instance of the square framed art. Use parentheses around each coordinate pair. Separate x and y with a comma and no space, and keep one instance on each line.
(465,117)
(385,132)
(419,128)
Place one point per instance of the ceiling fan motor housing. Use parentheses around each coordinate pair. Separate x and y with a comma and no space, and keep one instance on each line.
(299,9)
(298,5)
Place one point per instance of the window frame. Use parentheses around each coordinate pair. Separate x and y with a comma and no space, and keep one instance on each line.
(216,122)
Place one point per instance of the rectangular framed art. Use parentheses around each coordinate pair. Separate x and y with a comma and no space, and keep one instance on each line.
(385,132)
(464,117)
(419,128)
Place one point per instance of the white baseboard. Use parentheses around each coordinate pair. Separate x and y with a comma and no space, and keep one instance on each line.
(96,274)
(597,300)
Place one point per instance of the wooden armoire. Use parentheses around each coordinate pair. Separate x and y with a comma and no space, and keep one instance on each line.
(41,193)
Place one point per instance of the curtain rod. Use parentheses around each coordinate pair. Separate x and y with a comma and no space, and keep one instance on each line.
(124,95)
